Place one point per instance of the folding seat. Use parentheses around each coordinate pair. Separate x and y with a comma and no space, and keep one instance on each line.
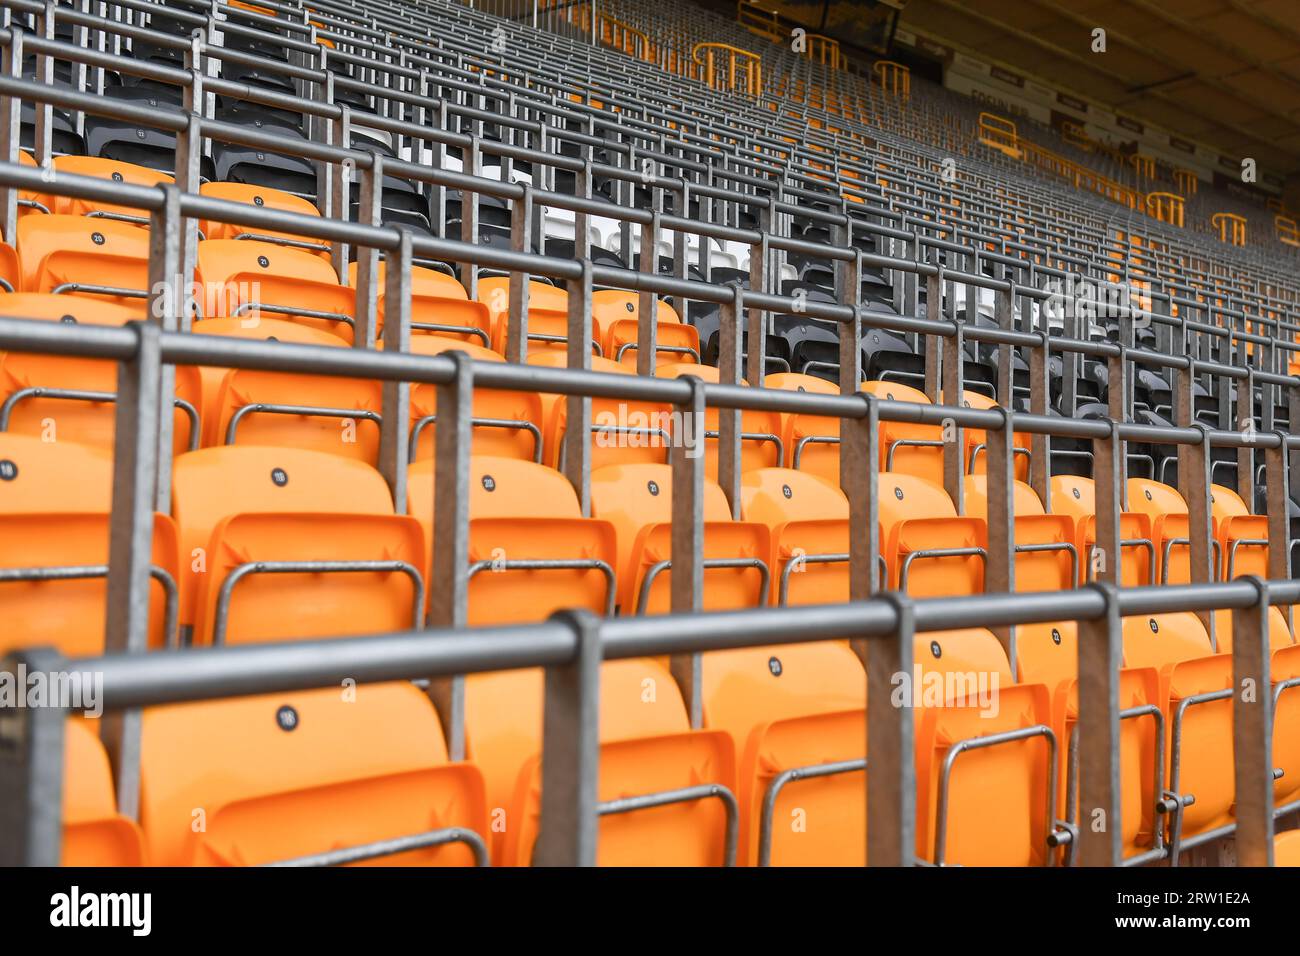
(760,432)
(94,833)
(796,428)
(623,432)
(310,539)
(59,253)
(1046,556)
(548,314)
(262,197)
(615,315)
(255,166)
(522,512)
(1285,670)
(325,413)
(997,800)
(928,549)
(808,517)
(905,447)
(975,462)
(505,424)
(1167,512)
(637,501)
(1196,691)
(63,398)
(798,705)
(268,330)
(1242,537)
(55,499)
(439,306)
(290,776)
(1076,498)
(252,280)
(102,169)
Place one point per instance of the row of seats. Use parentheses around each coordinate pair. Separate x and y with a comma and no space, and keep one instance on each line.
(521,511)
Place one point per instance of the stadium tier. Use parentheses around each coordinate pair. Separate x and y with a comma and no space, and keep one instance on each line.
(602,433)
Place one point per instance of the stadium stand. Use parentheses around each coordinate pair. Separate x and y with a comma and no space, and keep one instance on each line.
(626,441)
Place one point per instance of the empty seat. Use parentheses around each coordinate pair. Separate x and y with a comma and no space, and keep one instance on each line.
(809,521)
(55,499)
(310,539)
(505,424)
(62,253)
(637,501)
(251,280)
(65,398)
(287,776)
(928,549)
(760,432)
(520,513)
(1167,512)
(439,306)
(261,197)
(94,833)
(1242,537)
(615,314)
(118,172)
(548,315)
(1076,498)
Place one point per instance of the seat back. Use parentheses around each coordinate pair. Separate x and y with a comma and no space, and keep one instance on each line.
(808,518)
(86,257)
(101,169)
(616,314)
(906,447)
(213,484)
(252,280)
(1037,569)
(523,512)
(505,424)
(262,197)
(637,501)
(917,519)
(94,833)
(439,306)
(760,439)
(287,775)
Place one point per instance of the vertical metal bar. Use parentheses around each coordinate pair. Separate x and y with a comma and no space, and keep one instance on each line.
(1101,652)
(729,419)
(954,450)
(449,597)
(1277,481)
(130,544)
(1194,481)
(340,178)
(933,347)
(891,776)
(1000,563)
(471,165)
(647,332)
(45,76)
(1040,458)
(11,57)
(31,767)
(521,228)
(1106,474)
(569,824)
(577,434)
(167,303)
(396,396)
(755,344)
(366,318)
(1252,730)
(688,534)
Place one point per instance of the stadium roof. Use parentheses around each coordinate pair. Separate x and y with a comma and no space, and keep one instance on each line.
(1223,72)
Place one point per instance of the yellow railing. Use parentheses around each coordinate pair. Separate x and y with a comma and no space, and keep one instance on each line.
(1286,230)
(895,79)
(1000,134)
(766,23)
(1166,207)
(825,51)
(1230,227)
(610,31)
(1187,181)
(729,68)
(1073,134)
(1143,165)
